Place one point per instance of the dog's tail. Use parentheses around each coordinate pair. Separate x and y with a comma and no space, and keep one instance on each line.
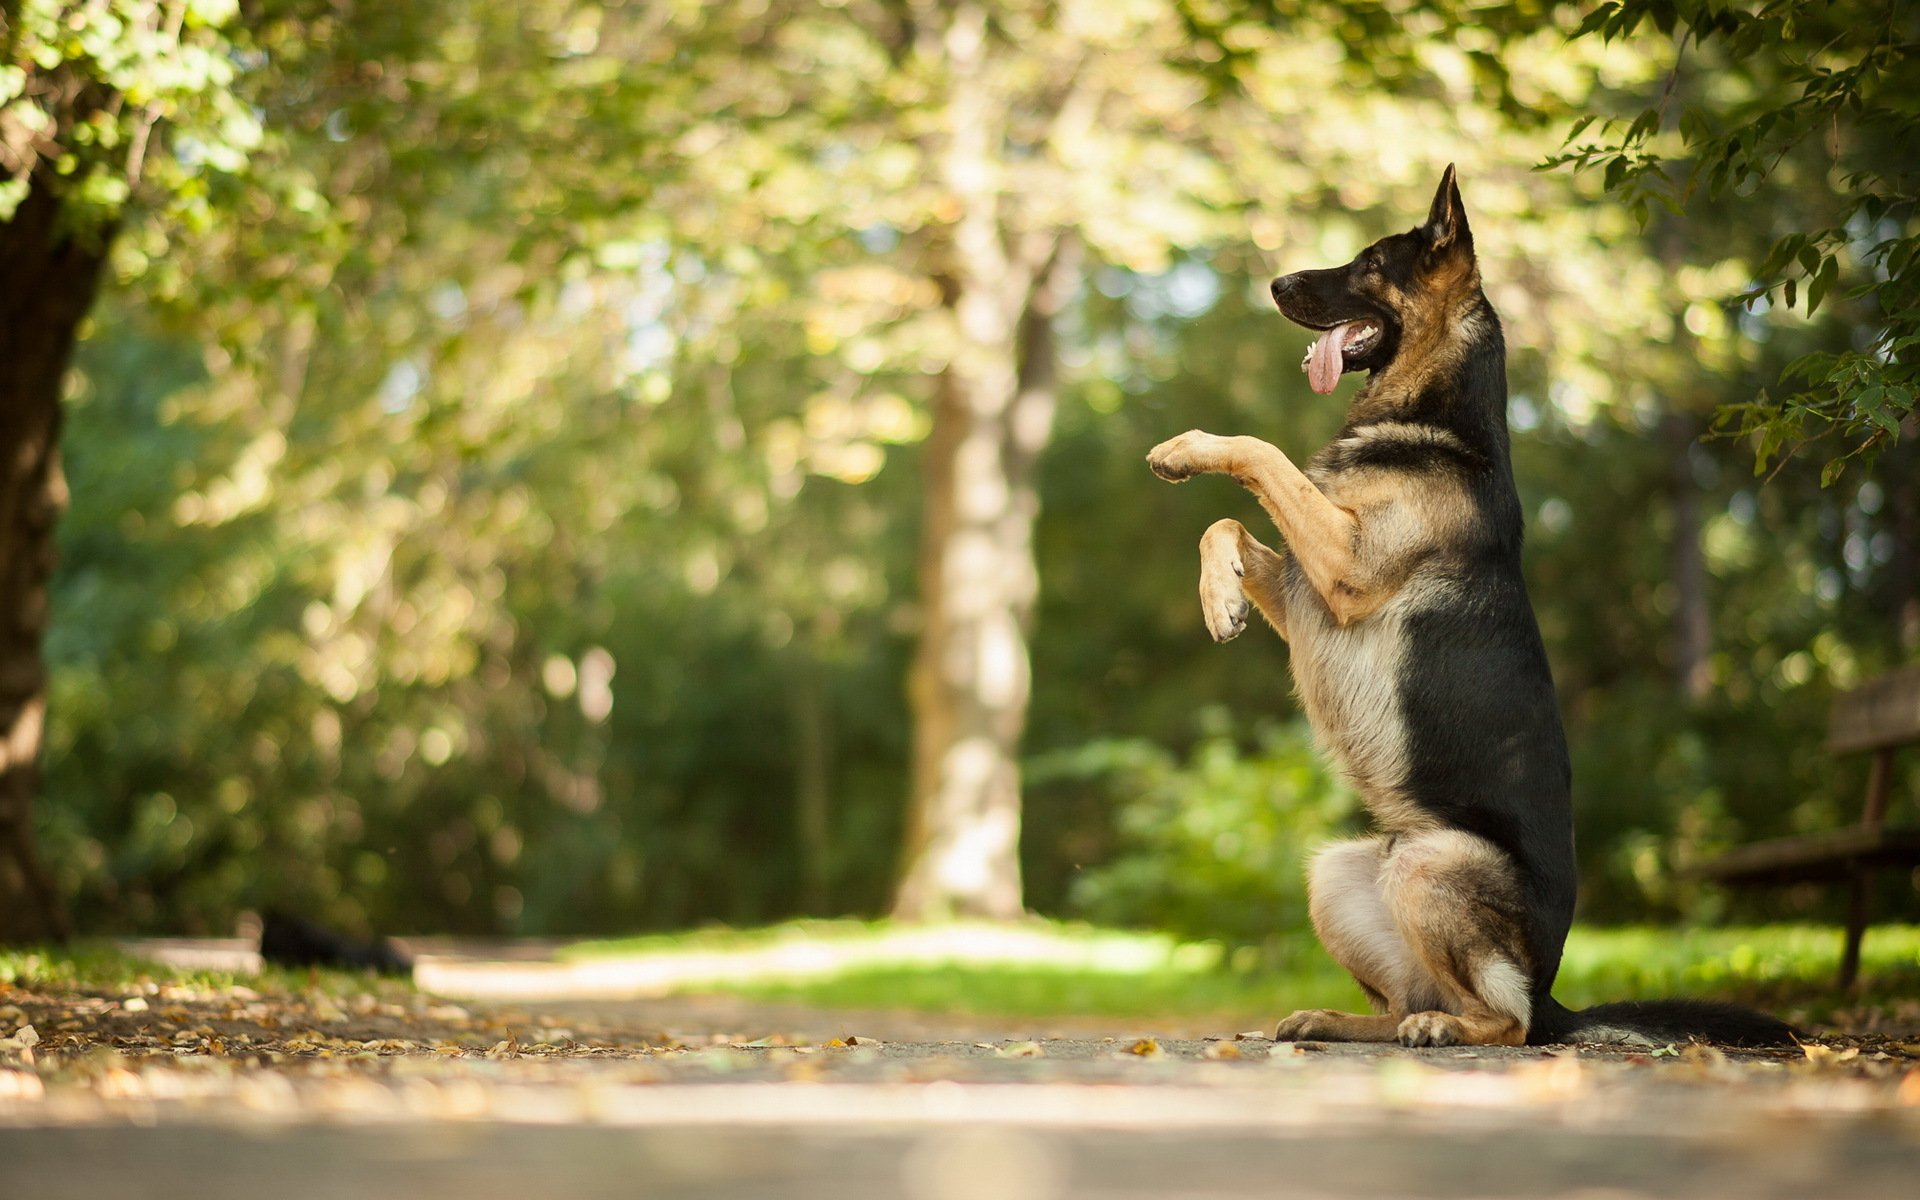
(1658,1023)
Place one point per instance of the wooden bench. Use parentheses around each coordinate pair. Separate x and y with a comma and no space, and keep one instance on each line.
(1879,717)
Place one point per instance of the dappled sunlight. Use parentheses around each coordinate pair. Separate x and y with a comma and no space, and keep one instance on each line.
(806,953)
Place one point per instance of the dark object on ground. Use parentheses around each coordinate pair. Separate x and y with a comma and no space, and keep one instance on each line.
(1880,716)
(290,941)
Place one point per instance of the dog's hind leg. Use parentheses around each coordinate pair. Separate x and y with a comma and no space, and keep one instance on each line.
(1456,901)
(1350,913)
(1235,569)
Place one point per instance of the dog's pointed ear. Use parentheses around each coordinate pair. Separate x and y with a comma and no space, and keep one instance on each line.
(1447,219)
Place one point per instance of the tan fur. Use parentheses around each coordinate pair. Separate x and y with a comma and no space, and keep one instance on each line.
(1450,892)
(1344,671)
(1400,431)
(1344,678)
(1319,534)
(1351,918)
(1421,916)
(1356,536)
(1235,569)
(1409,916)
(1420,923)
(1435,316)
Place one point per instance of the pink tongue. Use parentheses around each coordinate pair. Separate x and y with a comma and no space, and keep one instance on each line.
(1324,364)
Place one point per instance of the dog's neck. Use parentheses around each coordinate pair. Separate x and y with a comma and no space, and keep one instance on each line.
(1445,371)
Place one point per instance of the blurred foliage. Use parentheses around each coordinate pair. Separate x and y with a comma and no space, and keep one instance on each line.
(1801,115)
(1211,847)
(498,514)
(100,91)
(1821,97)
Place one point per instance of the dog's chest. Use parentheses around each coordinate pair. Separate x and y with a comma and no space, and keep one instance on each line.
(1349,680)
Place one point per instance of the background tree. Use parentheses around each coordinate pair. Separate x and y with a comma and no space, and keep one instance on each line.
(84,93)
(132,139)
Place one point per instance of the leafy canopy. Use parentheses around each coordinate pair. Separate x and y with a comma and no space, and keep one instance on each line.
(1815,95)
(89,92)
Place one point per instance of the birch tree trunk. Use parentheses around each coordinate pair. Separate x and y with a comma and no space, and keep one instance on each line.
(993,414)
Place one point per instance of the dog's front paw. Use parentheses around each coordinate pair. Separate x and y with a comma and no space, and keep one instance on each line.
(1177,460)
(1307,1025)
(1430,1029)
(1222,603)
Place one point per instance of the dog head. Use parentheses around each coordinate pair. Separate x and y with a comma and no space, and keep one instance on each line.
(1394,298)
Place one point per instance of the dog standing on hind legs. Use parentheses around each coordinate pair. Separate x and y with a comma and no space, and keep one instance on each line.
(1418,661)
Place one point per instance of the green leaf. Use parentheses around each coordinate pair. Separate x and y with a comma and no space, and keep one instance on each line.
(1596,19)
(1822,283)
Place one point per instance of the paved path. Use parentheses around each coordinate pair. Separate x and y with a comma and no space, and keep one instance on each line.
(950,1162)
(211,1095)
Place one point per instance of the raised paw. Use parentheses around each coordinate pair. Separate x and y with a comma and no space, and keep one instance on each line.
(1179,459)
(1222,603)
(1430,1029)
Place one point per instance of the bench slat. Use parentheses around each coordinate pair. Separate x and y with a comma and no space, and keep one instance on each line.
(1816,857)
(1882,712)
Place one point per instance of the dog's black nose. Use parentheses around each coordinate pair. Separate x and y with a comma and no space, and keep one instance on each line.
(1284,284)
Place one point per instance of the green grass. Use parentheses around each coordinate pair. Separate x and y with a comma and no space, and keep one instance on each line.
(1064,970)
(1052,969)
(1769,964)
(91,965)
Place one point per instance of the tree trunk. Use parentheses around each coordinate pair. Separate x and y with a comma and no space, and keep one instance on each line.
(993,413)
(1898,469)
(969,682)
(1692,646)
(47,284)
(1687,564)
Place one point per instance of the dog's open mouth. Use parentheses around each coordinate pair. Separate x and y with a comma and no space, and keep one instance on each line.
(1326,359)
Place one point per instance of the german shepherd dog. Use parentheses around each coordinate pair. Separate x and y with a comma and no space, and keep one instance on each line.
(1418,661)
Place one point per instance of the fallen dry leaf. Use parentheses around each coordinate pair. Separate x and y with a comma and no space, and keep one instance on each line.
(1020,1050)
(1909,1093)
(1146,1048)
